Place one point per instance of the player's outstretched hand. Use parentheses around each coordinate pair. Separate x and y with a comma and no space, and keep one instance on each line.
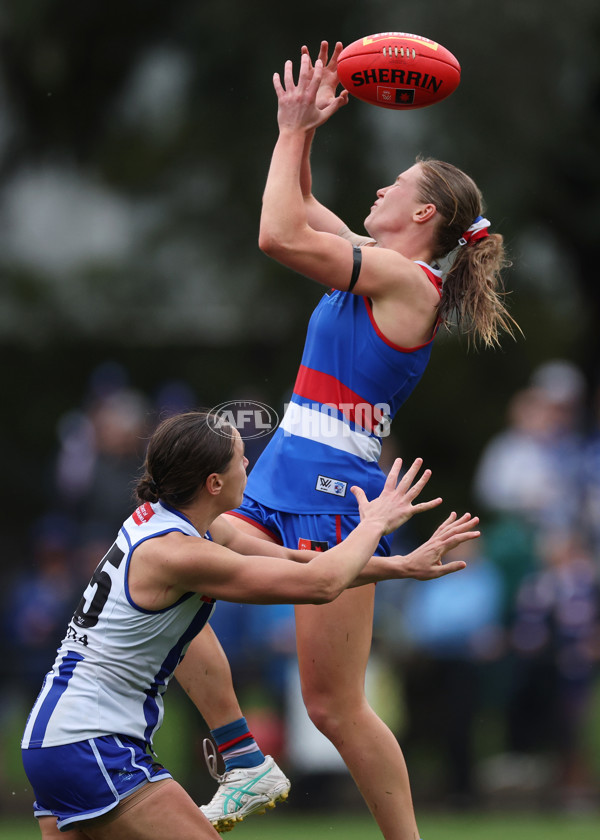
(329,80)
(297,101)
(425,562)
(394,506)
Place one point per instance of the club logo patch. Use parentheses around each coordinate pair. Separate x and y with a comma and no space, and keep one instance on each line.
(333,486)
(313,545)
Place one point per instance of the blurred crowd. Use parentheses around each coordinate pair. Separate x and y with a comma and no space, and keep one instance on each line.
(494,672)
(500,663)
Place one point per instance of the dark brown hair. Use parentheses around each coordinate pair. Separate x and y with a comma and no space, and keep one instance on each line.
(182,452)
(473,292)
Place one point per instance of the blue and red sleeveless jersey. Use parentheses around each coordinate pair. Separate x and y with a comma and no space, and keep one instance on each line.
(351,382)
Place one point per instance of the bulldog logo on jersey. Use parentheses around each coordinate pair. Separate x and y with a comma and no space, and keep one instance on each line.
(333,486)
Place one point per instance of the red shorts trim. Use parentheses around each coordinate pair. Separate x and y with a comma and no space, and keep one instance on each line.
(338,528)
(256,524)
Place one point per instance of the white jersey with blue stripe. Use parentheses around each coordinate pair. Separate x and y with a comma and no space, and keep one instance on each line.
(116,660)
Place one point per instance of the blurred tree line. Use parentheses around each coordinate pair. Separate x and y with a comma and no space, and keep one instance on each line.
(134,143)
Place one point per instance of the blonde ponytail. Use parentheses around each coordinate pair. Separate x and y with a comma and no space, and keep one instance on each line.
(473,292)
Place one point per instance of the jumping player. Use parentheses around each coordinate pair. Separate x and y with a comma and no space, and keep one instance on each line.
(368,344)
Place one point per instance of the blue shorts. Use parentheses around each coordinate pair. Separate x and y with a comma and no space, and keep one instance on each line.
(318,531)
(86,779)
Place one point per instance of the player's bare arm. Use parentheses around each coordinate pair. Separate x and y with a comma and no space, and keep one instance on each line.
(424,563)
(167,567)
(393,281)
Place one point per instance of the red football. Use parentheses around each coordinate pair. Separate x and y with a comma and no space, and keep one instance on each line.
(398,70)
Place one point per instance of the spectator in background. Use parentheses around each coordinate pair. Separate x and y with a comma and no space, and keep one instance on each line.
(533,467)
(75,431)
(39,601)
(174,397)
(453,631)
(101,447)
(529,475)
(555,641)
(121,425)
(537,480)
(591,479)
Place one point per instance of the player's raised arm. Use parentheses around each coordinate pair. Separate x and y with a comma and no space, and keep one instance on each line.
(306,237)
(295,229)
(165,569)
(424,563)
(320,217)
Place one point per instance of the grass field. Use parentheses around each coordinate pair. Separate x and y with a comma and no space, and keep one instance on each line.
(471,827)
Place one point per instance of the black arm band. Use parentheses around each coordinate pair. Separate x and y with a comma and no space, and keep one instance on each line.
(356,264)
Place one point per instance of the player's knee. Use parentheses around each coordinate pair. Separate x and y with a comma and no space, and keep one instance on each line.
(325,711)
(331,712)
(324,719)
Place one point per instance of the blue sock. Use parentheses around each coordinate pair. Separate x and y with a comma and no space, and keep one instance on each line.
(236,745)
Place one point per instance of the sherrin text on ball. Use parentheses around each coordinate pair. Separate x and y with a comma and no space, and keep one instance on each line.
(398,70)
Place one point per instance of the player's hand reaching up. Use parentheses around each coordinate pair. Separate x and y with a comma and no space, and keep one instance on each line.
(329,79)
(425,562)
(297,102)
(394,506)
